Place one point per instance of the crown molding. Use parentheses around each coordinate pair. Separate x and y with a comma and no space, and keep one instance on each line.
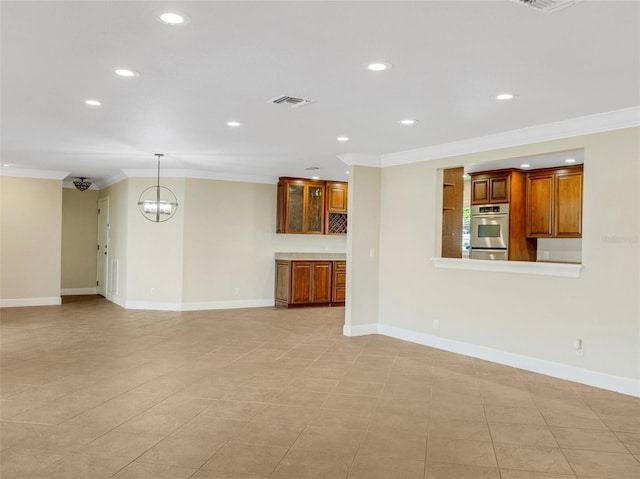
(197,174)
(360,159)
(36,174)
(585,125)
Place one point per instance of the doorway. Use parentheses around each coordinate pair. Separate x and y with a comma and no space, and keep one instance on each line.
(102,256)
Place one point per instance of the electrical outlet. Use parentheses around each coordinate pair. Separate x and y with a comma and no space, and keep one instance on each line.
(436,324)
(372,252)
(153,291)
(237,291)
(578,345)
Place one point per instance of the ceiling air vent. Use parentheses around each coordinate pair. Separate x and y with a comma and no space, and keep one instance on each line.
(292,101)
(548,6)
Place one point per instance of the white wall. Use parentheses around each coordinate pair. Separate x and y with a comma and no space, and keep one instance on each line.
(79,240)
(363,249)
(30,241)
(535,317)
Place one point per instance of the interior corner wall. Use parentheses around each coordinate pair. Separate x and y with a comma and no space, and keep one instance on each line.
(535,317)
(30,241)
(363,250)
(79,240)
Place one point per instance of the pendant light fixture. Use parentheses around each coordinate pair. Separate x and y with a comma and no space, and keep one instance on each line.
(81,184)
(158,203)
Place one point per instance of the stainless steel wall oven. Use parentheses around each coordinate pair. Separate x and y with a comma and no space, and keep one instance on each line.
(490,232)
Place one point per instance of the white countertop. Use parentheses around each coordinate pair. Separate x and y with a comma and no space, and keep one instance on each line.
(312,256)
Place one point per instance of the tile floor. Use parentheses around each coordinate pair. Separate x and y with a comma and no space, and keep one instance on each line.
(90,390)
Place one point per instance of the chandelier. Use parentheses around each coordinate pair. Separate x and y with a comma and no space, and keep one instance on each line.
(158,203)
(81,184)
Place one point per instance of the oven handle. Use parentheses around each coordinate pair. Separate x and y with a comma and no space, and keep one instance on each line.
(490,217)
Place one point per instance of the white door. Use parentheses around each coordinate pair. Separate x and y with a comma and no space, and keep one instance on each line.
(103,245)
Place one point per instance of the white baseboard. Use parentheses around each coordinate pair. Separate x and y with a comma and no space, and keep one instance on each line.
(195,306)
(360,329)
(78,291)
(597,379)
(19,302)
(238,304)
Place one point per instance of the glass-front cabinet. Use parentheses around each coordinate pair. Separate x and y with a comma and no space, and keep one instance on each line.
(301,206)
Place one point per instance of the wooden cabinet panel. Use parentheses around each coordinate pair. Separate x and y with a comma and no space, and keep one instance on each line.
(339,293)
(300,283)
(452,199)
(554,203)
(479,191)
(569,205)
(540,205)
(321,284)
(336,197)
(490,187)
(282,282)
(499,189)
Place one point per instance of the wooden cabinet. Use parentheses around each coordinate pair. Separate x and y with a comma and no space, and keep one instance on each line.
(554,203)
(490,187)
(311,207)
(336,216)
(452,200)
(507,186)
(301,206)
(303,282)
(339,282)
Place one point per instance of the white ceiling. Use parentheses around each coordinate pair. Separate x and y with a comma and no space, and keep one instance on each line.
(450,59)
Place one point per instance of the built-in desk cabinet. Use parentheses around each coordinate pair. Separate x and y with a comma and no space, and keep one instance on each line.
(310,283)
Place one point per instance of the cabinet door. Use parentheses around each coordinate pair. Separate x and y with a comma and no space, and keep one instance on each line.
(314,209)
(568,211)
(480,191)
(499,189)
(300,282)
(337,197)
(282,282)
(295,208)
(321,282)
(539,215)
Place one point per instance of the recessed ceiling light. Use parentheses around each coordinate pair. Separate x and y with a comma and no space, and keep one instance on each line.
(570,160)
(379,66)
(123,72)
(408,121)
(525,165)
(172,18)
(233,123)
(347,172)
(504,96)
(93,102)
(6,165)
(465,176)
(315,177)
(343,138)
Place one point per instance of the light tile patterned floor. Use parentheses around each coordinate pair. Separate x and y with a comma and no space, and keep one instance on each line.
(90,390)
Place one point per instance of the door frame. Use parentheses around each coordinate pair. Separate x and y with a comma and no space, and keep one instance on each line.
(102,251)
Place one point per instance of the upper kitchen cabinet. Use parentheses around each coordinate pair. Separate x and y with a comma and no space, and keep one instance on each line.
(336,215)
(301,206)
(554,203)
(490,187)
(311,207)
